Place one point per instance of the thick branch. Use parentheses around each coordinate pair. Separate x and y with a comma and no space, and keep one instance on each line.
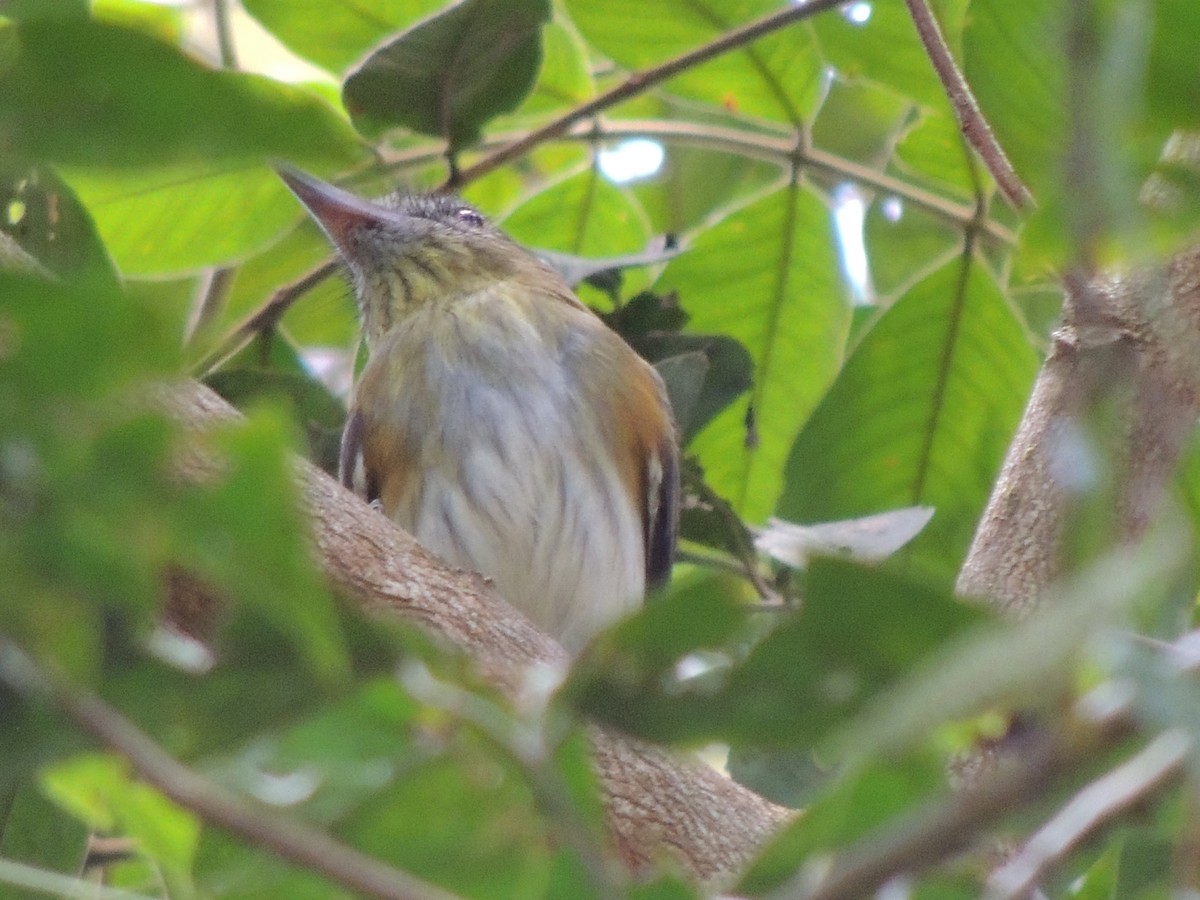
(1129,346)
(658,805)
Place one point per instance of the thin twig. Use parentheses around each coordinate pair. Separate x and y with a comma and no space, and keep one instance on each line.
(290,840)
(743,549)
(1085,214)
(264,319)
(210,297)
(970,118)
(18,875)
(779,149)
(638,82)
(224,29)
(1130,783)
(946,828)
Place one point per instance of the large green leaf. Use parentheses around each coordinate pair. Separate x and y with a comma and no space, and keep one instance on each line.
(921,415)
(1015,60)
(584,214)
(93,94)
(1173,78)
(102,791)
(881,47)
(336,33)
(767,276)
(778,77)
(450,74)
(170,220)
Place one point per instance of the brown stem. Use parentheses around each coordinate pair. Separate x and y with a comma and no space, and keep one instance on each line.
(264,319)
(970,118)
(639,82)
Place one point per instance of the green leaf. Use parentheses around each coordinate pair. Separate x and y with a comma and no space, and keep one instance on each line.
(36,832)
(102,792)
(180,219)
(859,121)
(934,151)
(1027,663)
(565,76)
(335,33)
(777,77)
(1025,104)
(921,415)
(850,809)
(695,184)
(1172,76)
(766,276)
(883,48)
(651,323)
(905,243)
(858,631)
(86,93)
(683,376)
(248,537)
(1099,882)
(450,74)
(310,405)
(47,221)
(584,215)
(44,9)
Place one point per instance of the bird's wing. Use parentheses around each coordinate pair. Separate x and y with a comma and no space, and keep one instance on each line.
(352,470)
(662,511)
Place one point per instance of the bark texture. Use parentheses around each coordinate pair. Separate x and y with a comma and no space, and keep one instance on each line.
(659,805)
(1121,386)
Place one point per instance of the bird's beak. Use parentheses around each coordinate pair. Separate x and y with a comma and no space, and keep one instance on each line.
(338,212)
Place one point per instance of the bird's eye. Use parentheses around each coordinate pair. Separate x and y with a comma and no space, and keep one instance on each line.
(470,216)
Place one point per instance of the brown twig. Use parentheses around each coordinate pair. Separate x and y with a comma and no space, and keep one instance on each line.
(264,319)
(638,82)
(1145,773)
(934,834)
(776,148)
(290,840)
(970,118)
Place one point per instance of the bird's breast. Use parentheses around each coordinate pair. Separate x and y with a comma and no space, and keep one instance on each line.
(490,442)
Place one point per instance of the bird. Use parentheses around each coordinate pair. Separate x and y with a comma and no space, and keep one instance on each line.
(497,418)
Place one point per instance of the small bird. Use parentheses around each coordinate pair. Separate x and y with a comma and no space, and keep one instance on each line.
(497,418)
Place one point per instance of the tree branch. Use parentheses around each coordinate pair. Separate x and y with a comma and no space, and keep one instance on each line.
(264,319)
(658,805)
(970,118)
(639,82)
(1145,773)
(776,148)
(290,840)
(1133,345)
(934,834)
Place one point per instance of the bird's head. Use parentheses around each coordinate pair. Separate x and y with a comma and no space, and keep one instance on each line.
(410,249)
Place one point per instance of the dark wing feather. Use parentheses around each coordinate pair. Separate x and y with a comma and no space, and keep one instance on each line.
(663,518)
(351,465)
